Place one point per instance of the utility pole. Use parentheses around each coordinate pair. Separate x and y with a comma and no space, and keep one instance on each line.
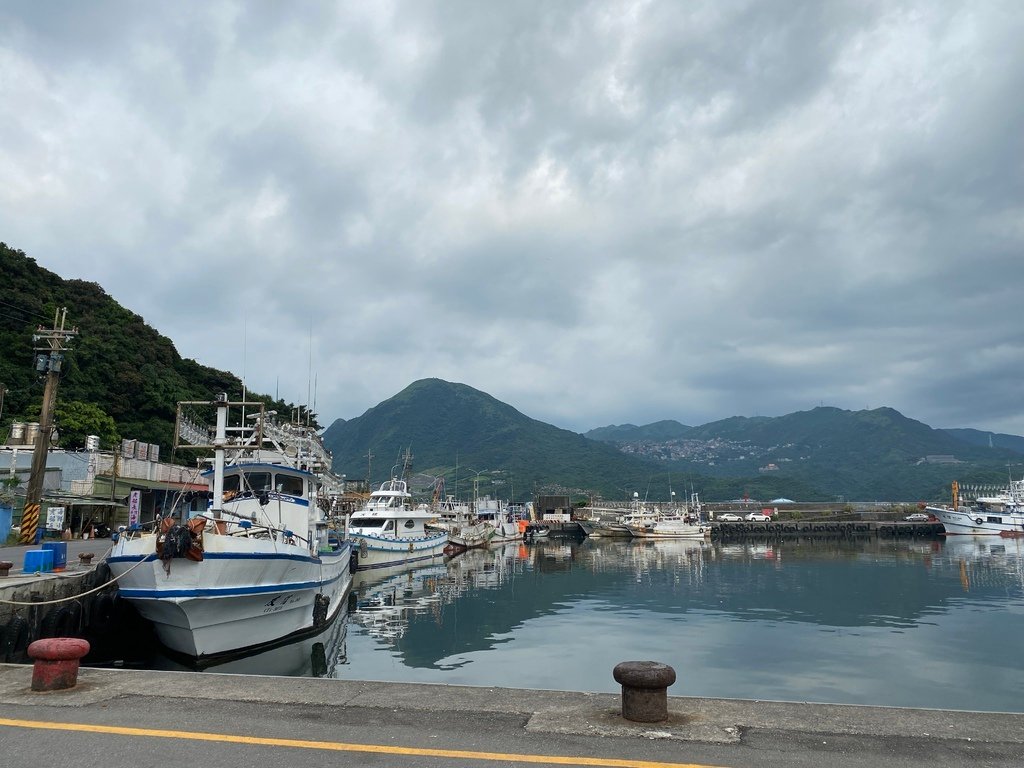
(50,347)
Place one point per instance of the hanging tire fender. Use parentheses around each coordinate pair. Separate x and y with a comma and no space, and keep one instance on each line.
(14,640)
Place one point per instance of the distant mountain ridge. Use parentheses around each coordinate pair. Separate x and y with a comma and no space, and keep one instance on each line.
(123,371)
(453,430)
(823,453)
(861,454)
(1013,443)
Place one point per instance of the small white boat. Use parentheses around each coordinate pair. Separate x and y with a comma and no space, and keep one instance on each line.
(389,531)
(670,528)
(261,564)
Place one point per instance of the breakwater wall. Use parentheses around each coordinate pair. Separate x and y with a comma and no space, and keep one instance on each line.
(824,529)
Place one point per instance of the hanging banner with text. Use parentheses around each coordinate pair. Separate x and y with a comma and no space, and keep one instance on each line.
(134,501)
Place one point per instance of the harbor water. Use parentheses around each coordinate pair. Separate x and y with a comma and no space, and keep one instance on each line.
(919,623)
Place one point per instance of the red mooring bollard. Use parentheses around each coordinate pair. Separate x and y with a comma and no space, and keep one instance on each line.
(55,665)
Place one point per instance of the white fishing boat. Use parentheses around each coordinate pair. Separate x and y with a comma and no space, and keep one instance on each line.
(503,522)
(985,517)
(616,522)
(464,529)
(673,527)
(389,531)
(261,563)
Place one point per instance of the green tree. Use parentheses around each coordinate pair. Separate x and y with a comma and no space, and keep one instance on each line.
(75,419)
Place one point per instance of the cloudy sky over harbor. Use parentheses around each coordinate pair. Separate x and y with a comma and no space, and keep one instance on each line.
(599,212)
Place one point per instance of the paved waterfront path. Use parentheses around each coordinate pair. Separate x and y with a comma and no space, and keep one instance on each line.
(121,718)
(15,553)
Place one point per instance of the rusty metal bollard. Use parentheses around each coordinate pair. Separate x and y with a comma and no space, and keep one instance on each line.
(5,566)
(55,662)
(85,558)
(644,689)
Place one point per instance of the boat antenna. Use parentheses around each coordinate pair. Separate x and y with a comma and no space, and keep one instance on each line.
(309,372)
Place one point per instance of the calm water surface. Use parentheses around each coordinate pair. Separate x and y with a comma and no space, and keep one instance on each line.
(873,621)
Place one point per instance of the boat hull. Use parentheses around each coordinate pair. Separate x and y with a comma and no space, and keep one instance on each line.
(382,552)
(244,594)
(698,532)
(972,522)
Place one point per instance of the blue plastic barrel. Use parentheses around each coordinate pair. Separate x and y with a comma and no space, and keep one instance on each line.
(60,553)
(38,560)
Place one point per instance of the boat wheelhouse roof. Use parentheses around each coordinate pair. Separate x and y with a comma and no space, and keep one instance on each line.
(256,466)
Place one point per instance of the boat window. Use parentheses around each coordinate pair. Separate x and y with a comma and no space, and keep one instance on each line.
(995,519)
(410,523)
(231,483)
(366,522)
(389,526)
(257,481)
(289,484)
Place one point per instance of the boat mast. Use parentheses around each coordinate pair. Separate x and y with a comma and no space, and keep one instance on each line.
(219,441)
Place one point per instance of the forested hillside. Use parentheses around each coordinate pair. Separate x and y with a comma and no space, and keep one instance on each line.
(121,378)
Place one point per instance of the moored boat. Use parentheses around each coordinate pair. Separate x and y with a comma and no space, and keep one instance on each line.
(464,529)
(389,531)
(670,528)
(983,518)
(261,563)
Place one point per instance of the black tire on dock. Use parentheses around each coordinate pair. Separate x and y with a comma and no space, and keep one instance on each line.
(101,574)
(75,612)
(14,640)
(56,623)
(101,613)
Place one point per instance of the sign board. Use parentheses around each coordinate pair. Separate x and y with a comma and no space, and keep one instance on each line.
(55,519)
(134,502)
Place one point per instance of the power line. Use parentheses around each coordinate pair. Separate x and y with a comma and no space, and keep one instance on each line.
(31,312)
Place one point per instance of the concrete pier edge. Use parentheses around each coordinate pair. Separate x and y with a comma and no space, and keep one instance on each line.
(721,721)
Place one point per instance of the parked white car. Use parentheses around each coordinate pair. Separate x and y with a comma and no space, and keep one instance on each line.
(917,517)
(758,517)
(729,517)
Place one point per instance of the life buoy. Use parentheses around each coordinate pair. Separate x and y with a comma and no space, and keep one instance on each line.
(978,521)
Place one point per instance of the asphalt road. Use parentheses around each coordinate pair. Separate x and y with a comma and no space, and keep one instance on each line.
(122,719)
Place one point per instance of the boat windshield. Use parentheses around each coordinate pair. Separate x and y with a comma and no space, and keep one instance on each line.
(367,522)
(257,482)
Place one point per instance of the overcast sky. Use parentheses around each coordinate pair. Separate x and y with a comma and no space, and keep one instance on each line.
(599,213)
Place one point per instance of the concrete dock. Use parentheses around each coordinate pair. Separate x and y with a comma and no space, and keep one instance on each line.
(122,718)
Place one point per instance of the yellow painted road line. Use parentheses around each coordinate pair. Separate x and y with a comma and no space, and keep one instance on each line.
(337,746)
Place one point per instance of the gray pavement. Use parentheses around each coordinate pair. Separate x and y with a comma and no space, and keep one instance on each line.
(16,554)
(231,721)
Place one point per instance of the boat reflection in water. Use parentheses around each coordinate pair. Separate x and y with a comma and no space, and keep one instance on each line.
(316,655)
(984,562)
(385,600)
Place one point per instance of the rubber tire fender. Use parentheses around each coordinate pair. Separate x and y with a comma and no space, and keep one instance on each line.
(14,640)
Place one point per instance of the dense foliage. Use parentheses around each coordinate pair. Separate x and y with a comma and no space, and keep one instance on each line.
(121,378)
